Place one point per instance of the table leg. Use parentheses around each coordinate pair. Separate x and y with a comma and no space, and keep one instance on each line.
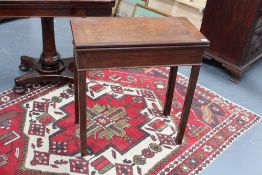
(170,90)
(81,83)
(49,67)
(76,87)
(187,103)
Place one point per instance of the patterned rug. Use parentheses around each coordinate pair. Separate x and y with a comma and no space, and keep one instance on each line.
(127,133)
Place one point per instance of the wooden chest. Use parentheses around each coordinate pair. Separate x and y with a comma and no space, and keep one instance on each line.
(234,28)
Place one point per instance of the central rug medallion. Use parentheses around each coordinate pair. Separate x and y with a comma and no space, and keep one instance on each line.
(114,114)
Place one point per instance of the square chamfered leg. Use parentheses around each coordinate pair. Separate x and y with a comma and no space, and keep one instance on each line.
(187,103)
(81,83)
(76,87)
(170,90)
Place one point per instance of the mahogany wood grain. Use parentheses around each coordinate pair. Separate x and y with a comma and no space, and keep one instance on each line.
(131,57)
(170,90)
(150,32)
(81,85)
(137,42)
(187,103)
(76,94)
(55,8)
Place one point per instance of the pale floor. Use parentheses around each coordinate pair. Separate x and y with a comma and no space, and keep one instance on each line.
(244,157)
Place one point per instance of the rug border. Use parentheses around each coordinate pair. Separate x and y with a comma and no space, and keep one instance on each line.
(238,134)
(226,99)
(227,145)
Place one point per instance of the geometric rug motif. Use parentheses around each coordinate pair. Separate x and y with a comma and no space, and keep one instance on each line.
(127,133)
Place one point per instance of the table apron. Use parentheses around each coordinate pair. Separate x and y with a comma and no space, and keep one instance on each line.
(92,59)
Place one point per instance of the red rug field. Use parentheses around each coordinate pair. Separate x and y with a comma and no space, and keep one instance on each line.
(127,133)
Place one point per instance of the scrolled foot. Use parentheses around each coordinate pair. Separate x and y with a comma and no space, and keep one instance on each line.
(24,68)
(19,89)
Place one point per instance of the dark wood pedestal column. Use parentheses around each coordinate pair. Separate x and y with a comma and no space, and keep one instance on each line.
(50,67)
